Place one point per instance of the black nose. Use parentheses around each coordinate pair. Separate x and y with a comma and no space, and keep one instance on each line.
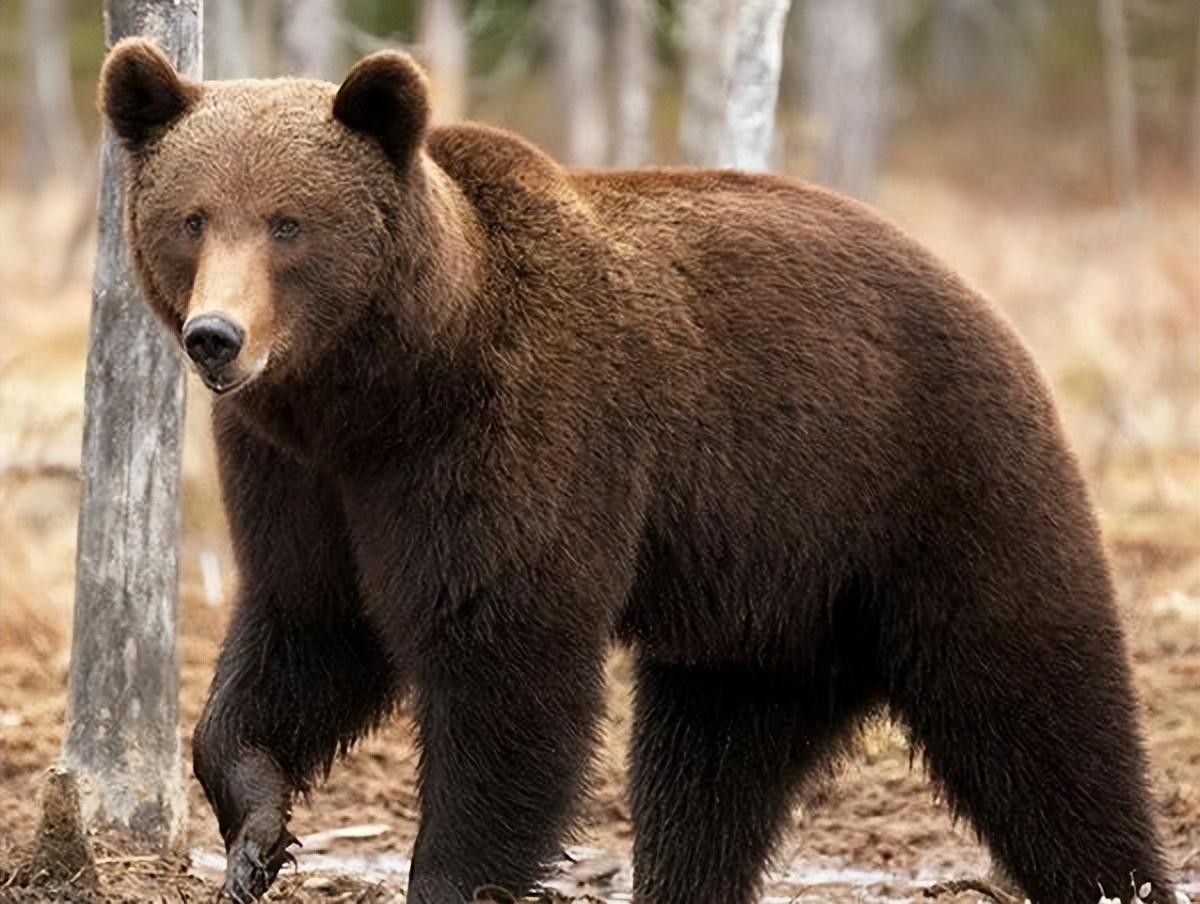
(212,340)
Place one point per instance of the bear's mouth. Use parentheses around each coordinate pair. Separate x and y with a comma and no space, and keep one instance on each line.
(227,380)
(220,384)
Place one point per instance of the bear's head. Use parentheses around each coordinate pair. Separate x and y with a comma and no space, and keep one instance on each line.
(264,216)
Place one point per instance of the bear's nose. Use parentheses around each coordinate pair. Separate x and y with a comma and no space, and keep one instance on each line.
(212,340)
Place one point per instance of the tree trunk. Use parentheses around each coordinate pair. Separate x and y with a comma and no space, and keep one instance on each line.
(122,726)
(575,36)
(226,53)
(708,47)
(846,65)
(312,38)
(634,61)
(955,48)
(1122,113)
(443,39)
(754,86)
(262,37)
(1196,112)
(53,145)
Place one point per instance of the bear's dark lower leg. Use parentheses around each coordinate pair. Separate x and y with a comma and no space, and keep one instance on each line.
(287,696)
(1028,722)
(717,753)
(507,715)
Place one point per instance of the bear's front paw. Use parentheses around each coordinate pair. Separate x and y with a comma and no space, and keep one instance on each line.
(255,858)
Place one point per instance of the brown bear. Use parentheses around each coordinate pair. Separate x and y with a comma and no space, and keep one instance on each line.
(478,415)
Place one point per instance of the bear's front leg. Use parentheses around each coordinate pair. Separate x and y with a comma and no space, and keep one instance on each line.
(301,674)
(257,800)
(507,707)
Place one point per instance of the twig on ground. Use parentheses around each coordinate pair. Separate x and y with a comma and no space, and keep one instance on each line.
(982,886)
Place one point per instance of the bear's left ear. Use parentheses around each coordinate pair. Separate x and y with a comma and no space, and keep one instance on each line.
(140,91)
(386,97)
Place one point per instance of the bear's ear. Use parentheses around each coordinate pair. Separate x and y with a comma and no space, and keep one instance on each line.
(386,97)
(140,91)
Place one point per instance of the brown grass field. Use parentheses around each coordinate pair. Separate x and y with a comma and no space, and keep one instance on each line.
(1110,304)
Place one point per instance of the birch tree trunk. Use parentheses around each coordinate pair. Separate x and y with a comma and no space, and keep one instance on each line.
(121,744)
(226,52)
(53,144)
(846,66)
(954,54)
(1122,112)
(575,39)
(262,37)
(635,78)
(1196,111)
(311,40)
(708,28)
(754,86)
(443,39)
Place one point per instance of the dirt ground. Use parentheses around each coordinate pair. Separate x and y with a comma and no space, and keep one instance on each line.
(1126,375)
(874,829)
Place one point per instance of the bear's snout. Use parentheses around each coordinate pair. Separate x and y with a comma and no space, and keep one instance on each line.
(212,340)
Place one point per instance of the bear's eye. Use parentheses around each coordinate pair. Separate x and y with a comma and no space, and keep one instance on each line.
(284,228)
(193,225)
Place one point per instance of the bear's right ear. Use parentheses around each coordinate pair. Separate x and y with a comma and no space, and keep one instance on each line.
(386,97)
(140,91)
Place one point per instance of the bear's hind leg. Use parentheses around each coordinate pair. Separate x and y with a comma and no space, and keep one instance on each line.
(1023,705)
(716,756)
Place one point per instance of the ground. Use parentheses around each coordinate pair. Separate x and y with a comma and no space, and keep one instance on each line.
(1107,301)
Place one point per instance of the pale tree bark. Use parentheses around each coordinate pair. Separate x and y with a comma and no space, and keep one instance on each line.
(311,39)
(575,38)
(1196,112)
(978,41)
(633,59)
(443,39)
(708,29)
(121,744)
(846,61)
(226,54)
(754,85)
(262,29)
(53,144)
(954,50)
(1122,110)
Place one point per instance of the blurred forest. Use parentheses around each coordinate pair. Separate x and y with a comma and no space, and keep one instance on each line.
(992,92)
(1048,150)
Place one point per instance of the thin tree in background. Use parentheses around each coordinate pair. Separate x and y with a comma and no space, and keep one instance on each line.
(443,39)
(954,51)
(707,35)
(121,746)
(1196,111)
(1122,111)
(635,77)
(754,83)
(53,144)
(262,27)
(225,40)
(311,39)
(976,42)
(846,60)
(575,38)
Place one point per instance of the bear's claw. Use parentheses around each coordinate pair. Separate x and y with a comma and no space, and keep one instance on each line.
(249,873)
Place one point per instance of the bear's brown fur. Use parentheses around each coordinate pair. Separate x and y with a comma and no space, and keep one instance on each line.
(484,414)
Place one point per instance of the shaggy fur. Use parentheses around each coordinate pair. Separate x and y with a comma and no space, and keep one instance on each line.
(511,412)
